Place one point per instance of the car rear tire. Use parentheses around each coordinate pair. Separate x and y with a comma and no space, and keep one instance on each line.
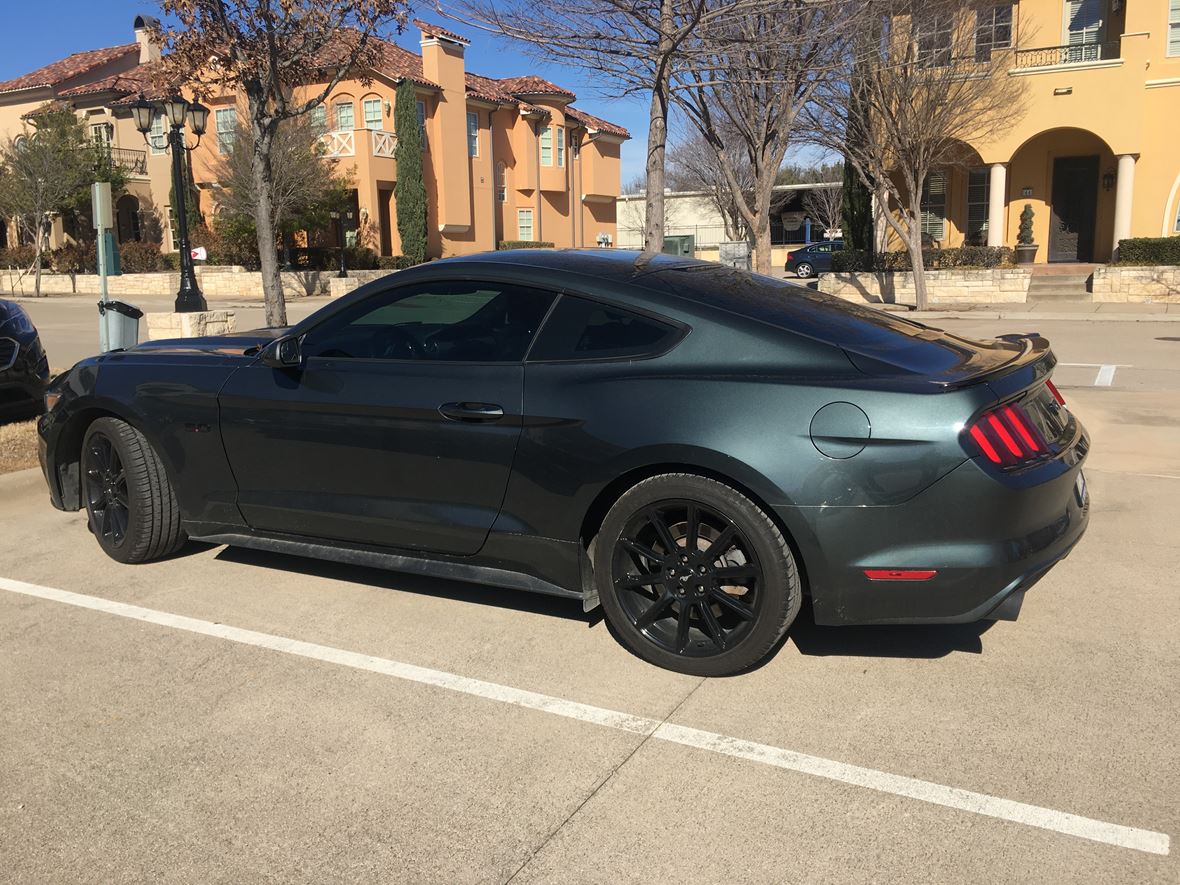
(694,576)
(804,270)
(130,503)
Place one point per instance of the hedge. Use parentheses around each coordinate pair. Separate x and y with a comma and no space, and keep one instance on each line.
(524,244)
(394,262)
(1149,250)
(851,260)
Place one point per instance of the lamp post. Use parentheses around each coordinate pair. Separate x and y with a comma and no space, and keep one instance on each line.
(176,111)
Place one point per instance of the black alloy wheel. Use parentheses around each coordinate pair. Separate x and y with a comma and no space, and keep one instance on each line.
(694,576)
(106,491)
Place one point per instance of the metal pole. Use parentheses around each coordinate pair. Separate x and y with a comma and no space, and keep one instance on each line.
(189,298)
(104,337)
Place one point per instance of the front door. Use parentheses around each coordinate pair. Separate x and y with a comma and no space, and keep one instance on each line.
(400,427)
(1074,209)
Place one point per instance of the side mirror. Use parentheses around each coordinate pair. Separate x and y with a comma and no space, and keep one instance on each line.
(283,353)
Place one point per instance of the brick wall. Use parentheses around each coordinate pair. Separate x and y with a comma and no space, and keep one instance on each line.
(955,286)
(1137,284)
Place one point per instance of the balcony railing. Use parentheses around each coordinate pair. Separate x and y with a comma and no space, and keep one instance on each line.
(1073,54)
(384,143)
(339,144)
(134,162)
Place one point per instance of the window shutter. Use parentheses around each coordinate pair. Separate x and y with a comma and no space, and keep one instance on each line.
(1174,28)
(1085,21)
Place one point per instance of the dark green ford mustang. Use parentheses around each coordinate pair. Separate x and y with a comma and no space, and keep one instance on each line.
(696,448)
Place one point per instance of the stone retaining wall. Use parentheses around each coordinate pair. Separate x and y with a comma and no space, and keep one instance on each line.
(1137,284)
(354,280)
(954,286)
(215,283)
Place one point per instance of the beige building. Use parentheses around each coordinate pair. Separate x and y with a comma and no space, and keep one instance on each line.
(504,159)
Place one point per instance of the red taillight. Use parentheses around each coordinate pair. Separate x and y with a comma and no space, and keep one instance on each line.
(900,574)
(790,256)
(1056,393)
(1007,436)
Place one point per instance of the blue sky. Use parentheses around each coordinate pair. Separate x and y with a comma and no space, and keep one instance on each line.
(90,24)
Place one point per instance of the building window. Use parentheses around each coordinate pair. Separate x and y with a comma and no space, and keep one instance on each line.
(934,42)
(934,206)
(1176,226)
(345,121)
(978,192)
(101,133)
(501,182)
(524,224)
(472,134)
(227,127)
(560,145)
(1083,27)
(372,108)
(319,119)
(157,139)
(547,146)
(422,123)
(993,30)
(1174,32)
(172,235)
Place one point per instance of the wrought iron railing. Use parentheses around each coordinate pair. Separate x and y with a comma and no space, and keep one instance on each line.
(135,162)
(1072,54)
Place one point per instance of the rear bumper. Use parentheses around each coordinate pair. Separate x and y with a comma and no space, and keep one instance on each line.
(989,542)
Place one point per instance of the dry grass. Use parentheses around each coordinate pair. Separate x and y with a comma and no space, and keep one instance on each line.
(18,446)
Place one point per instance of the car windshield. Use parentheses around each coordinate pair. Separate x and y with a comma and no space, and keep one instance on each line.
(864,330)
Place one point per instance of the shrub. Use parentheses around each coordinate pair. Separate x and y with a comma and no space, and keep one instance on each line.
(1024,236)
(137,257)
(360,258)
(394,262)
(73,258)
(228,241)
(17,257)
(170,260)
(851,260)
(524,244)
(1149,250)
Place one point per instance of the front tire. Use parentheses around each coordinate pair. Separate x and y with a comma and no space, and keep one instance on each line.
(694,576)
(130,503)
(803,271)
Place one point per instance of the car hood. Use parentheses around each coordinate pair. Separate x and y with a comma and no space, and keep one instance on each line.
(232,344)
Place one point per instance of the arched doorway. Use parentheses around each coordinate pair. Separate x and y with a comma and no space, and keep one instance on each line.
(127,218)
(1067,176)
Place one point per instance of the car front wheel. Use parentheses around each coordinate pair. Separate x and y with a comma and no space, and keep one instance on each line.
(694,576)
(130,503)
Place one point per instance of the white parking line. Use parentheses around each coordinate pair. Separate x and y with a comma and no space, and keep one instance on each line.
(1105,376)
(881,781)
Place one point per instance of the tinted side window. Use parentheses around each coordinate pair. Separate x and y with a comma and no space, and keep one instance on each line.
(449,322)
(579,329)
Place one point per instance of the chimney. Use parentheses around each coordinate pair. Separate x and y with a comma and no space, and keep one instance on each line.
(149,49)
(442,63)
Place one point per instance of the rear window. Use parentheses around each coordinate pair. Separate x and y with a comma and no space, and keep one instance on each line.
(875,334)
(580,329)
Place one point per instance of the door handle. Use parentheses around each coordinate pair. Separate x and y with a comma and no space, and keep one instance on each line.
(471,412)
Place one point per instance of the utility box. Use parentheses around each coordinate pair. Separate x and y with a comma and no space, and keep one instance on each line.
(735,255)
(683,244)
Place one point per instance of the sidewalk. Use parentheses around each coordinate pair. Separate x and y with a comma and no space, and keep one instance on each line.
(1103,311)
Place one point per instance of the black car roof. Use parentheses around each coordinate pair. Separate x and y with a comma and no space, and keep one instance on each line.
(614,265)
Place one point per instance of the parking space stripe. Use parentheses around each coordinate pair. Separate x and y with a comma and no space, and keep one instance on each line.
(880,781)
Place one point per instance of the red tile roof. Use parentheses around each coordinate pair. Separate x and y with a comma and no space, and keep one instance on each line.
(432,30)
(401,64)
(531,85)
(594,123)
(132,82)
(69,67)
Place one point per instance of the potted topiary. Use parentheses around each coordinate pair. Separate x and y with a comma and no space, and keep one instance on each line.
(1026,249)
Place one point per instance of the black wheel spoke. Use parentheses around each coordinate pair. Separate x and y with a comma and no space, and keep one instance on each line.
(723,542)
(736,573)
(692,522)
(714,627)
(662,531)
(682,625)
(640,550)
(736,606)
(654,611)
(630,582)
(105,522)
(118,522)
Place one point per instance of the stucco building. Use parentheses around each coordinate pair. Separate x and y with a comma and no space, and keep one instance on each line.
(1094,151)
(503,159)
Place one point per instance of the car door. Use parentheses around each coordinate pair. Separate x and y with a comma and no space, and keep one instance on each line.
(400,425)
(822,257)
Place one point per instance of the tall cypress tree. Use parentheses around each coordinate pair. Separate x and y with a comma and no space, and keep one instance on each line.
(857,211)
(411,190)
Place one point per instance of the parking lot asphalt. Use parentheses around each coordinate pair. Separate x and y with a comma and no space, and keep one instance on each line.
(229,716)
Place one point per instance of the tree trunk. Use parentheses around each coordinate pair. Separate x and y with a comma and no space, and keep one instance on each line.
(657,142)
(913,245)
(272,281)
(37,259)
(762,245)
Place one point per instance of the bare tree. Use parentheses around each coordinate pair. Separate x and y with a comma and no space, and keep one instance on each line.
(635,46)
(305,182)
(825,204)
(693,166)
(271,52)
(755,71)
(924,90)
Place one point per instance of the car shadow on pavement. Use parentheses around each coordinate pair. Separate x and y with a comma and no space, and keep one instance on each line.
(886,640)
(449,588)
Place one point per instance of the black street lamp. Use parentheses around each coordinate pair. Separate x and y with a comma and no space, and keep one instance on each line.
(176,111)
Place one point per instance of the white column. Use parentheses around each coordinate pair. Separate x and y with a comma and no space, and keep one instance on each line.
(1122,202)
(997,200)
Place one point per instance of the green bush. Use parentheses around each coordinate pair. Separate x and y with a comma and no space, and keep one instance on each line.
(18,257)
(171,260)
(1149,250)
(229,241)
(852,260)
(73,258)
(136,257)
(394,262)
(360,258)
(524,244)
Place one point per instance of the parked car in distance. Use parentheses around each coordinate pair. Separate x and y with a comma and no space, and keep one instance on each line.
(24,368)
(807,261)
(692,446)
